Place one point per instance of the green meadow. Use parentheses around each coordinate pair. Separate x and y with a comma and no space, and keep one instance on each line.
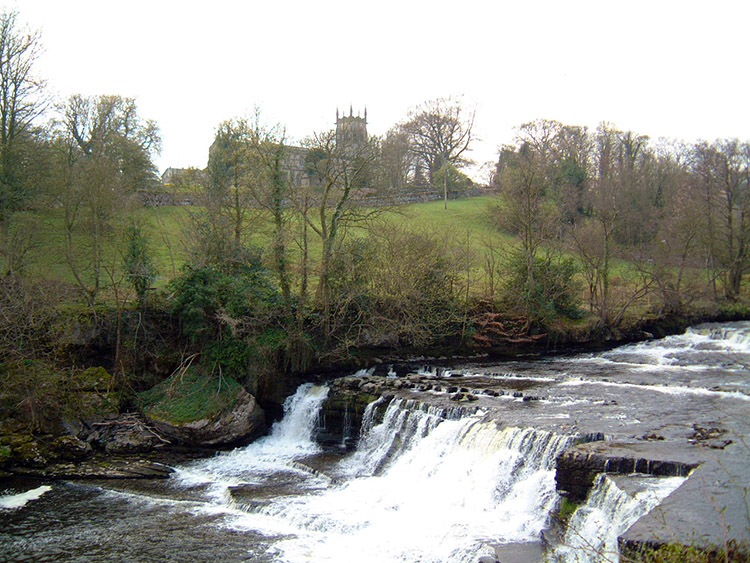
(168,231)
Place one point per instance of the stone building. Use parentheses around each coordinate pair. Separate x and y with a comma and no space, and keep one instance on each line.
(351,130)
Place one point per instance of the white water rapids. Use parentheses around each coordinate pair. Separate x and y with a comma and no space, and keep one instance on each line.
(421,487)
(593,529)
(425,483)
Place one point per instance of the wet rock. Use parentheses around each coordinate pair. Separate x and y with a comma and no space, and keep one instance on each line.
(30,453)
(70,448)
(98,468)
(577,467)
(519,552)
(132,440)
(341,413)
(25,450)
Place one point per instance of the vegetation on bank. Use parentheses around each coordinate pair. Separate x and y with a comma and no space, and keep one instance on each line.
(286,258)
(732,552)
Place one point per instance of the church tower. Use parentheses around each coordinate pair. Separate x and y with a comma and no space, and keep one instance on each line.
(351,130)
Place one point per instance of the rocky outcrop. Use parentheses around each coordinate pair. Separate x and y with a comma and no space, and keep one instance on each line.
(28,450)
(242,422)
(577,467)
(342,412)
(99,468)
(709,512)
(127,433)
(348,398)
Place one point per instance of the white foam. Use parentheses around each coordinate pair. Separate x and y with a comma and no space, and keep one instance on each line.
(11,502)
(289,439)
(435,488)
(667,389)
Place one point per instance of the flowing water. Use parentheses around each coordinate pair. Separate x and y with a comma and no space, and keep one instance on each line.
(608,512)
(428,481)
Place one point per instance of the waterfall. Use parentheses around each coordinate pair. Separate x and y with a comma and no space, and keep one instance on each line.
(736,336)
(426,484)
(608,512)
(289,439)
(294,430)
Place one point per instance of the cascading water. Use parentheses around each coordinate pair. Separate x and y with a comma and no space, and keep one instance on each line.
(423,486)
(594,527)
(430,480)
(290,439)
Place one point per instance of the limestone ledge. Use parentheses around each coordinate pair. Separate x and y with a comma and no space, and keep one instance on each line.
(577,467)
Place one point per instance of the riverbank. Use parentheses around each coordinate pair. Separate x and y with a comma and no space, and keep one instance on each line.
(491,459)
(111,430)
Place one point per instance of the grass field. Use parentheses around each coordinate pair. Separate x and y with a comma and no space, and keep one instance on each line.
(467,226)
(167,230)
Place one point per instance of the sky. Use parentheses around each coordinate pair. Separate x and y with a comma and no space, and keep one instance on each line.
(663,68)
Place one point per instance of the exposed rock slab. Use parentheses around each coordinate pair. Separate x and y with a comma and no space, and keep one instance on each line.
(99,468)
(708,510)
(577,467)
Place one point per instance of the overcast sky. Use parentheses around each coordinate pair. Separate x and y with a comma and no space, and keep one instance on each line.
(658,67)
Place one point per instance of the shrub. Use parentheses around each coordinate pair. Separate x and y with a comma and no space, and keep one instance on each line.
(549,292)
(218,306)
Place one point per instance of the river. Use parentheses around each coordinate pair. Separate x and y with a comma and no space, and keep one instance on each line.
(428,481)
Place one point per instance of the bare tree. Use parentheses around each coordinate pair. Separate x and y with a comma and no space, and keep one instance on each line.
(104,155)
(526,175)
(21,102)
(229,199)
(440,132)
(396,159)
(723,169)
(342,171)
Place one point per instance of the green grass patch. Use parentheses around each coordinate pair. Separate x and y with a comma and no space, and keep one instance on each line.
(470,215)
(188,396)
(566,509)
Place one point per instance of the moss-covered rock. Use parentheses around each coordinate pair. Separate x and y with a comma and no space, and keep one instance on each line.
(26,450)
(197,410)
(69,448)
(95,379)
(5,455)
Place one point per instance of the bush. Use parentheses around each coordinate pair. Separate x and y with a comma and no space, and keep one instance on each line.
(139,266)
(394,288)
(40,395)
(552,292)
(218,306)
(733,552)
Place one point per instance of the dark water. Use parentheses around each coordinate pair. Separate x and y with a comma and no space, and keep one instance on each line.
(83,522)
(421,487)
